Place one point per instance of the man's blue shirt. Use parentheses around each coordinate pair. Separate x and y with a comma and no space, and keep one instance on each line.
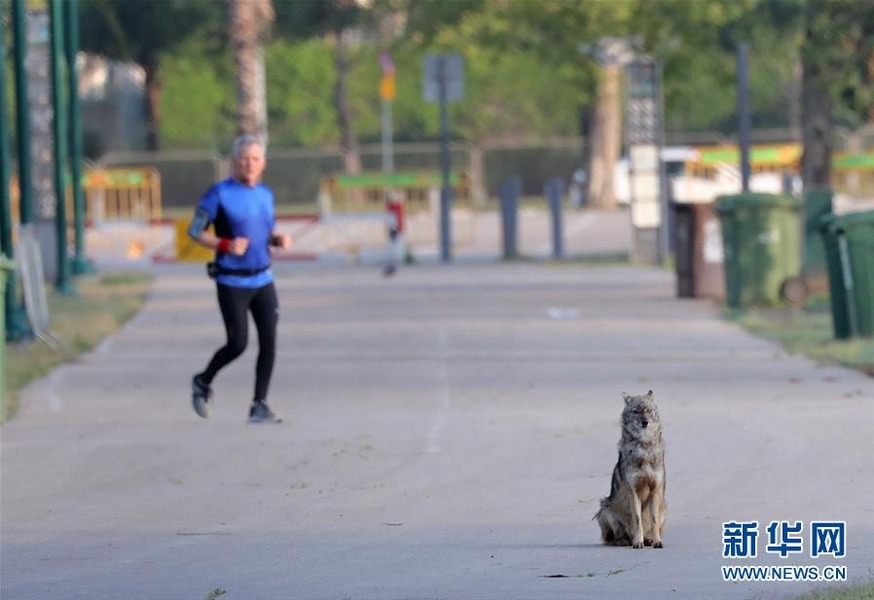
(238,210)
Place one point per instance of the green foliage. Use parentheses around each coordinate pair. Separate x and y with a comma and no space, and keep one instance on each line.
(697,42)
(301,19)
(524,71)
(514,83)
(143,30)
(299,107)
(427,18)
(198,102)
(839,50)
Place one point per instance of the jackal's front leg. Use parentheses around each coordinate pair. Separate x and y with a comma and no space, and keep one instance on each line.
(656,518)
(636,526)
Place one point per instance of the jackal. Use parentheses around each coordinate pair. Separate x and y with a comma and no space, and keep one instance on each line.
(634,512)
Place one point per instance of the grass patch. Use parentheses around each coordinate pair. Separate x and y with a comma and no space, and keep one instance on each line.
(861,592)
(807,331)
(101,305)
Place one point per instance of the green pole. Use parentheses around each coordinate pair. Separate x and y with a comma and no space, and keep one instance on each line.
(5,153)
(17,327)
(81,264)
(22,120)
(63,282)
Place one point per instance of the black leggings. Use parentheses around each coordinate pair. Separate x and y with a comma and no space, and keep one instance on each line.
(235,303)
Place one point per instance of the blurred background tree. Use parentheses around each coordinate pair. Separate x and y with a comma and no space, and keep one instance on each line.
(837,56)
(525,75)
(248,26)
(142,31)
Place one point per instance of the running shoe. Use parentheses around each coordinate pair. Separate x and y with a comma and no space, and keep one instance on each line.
(201,394)
(261,413)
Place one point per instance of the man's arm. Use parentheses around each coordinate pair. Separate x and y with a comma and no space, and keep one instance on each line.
(280,240)
(199,231)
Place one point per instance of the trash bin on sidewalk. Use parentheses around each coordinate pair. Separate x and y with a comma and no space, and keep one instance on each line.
(761,239)
(6,266)
(817,205)
(848,241)
(698,251)
(836,288)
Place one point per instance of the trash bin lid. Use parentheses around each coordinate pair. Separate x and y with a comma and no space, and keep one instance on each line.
(823,223)
(732,202)
(841,223)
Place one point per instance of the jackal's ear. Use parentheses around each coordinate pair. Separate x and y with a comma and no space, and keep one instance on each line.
(649,394)
(626,397)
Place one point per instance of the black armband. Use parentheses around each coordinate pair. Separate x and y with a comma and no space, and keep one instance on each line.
(275,240)
(199,223)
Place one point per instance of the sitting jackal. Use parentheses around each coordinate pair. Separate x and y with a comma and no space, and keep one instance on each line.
(634,512)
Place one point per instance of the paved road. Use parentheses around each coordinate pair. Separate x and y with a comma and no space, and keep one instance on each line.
(449,433)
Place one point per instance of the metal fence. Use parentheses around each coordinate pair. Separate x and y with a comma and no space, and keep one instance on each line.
(295,174)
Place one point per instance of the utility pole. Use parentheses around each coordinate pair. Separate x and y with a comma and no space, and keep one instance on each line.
(81,264)
(743,111)
(15,316)
(62,276)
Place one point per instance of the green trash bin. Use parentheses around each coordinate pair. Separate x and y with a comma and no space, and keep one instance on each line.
(817,205)
(761,238)
(6,266)
(837,290)
(849,244)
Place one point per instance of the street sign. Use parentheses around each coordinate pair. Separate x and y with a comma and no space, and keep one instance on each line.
(387,88)
(444,83)
(447,69)
(387,81)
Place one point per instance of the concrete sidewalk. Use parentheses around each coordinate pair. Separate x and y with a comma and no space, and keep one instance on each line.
(449,434)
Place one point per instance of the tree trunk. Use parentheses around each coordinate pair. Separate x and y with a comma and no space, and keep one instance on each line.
(348,143)
(606,142)
(816,109)
(478,175)
(247,23)
(796,124)
(153,108)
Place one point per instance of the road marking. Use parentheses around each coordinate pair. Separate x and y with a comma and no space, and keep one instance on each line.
(435,431)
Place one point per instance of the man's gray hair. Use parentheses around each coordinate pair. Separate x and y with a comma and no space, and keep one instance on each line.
(244,141)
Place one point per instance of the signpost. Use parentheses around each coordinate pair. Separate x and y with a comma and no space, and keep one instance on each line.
(387,96)
(444,83)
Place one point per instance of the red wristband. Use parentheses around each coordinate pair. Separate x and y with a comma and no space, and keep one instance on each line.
(224,245)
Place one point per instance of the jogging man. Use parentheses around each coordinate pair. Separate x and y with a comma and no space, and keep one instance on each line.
(241,210)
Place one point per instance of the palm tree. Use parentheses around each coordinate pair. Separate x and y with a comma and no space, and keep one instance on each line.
(248,24)
(348,142)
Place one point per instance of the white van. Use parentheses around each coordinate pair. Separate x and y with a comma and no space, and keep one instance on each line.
(686,188)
